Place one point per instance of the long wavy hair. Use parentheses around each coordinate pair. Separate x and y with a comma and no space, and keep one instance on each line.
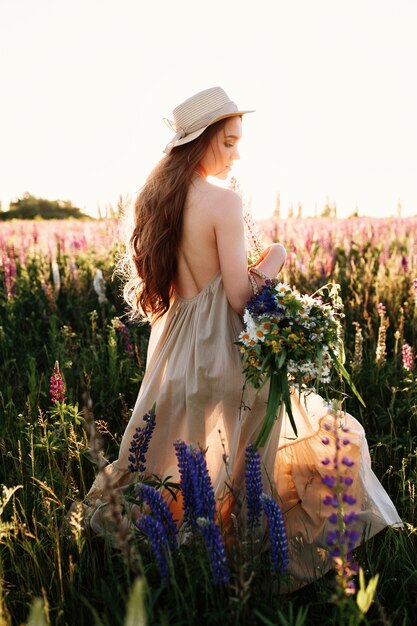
(157,228)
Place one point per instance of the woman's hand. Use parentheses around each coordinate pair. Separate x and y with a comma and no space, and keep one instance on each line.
(272,259)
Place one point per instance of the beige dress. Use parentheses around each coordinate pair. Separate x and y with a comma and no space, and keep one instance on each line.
(194,375)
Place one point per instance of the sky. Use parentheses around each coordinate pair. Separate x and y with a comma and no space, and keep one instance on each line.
(84,86)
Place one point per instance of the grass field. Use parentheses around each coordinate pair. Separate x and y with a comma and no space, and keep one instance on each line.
(60,301)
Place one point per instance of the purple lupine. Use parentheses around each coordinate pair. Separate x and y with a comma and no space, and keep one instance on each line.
(158,540)
(127,343)
(57,387)
(199,505)
(408,357)
(342,539)
(253,483)
(188,504)
(160,510)
(6,270)
(215,548)
(140,443)
(197,490)
(277,534)
(404,263)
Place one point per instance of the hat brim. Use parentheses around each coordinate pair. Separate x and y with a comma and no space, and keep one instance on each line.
(200,131)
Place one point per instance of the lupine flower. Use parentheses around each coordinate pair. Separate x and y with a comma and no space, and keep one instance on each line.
(342,539)
(100,286)
(158,540)
(277,534)
(199,505)
(140,442)
(160,510)
(253,481)
(124,331)
(358,355)
(215,548)
(56,278)
(197,490)
(381,348)
(9,269)
(57,388)
(408,357)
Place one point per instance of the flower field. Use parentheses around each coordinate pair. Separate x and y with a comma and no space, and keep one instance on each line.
(71,365)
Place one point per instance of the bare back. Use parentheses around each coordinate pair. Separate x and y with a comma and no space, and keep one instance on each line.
(198,258)
(213,241)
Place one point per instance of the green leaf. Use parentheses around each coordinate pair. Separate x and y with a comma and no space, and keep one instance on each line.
(136,613)
(281,359)
(287,400)
(366,594)
(339,365)
(274,400)
(267,361)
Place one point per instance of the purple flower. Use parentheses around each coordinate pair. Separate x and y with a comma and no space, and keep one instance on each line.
(333,536)
(57,388)
(330,481)
(351,517)
(215,548)
(347,461)
(127,343)
(196,487)
(348,481)
(160,511)
(140,443)
(253,481)
(158,540)
(331,500)
(277,534)
(265,302)
(348,499)
(352,536)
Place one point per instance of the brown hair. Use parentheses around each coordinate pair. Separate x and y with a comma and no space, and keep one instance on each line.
(157,230)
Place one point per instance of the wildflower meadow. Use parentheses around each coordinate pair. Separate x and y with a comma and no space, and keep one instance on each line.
(71,365)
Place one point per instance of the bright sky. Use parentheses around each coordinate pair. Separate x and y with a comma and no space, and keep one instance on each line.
(84,86)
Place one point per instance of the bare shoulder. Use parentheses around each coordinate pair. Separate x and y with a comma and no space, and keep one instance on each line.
(224,204)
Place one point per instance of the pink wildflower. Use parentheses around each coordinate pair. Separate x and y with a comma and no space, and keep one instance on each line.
(381,309)
(57,387)
(124,331)
(408,357)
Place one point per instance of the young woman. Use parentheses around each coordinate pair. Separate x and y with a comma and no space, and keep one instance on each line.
(190,277)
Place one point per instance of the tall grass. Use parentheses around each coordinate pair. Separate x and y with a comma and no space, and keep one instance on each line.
(47,459)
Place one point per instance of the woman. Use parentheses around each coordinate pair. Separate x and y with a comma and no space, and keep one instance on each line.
(191,278)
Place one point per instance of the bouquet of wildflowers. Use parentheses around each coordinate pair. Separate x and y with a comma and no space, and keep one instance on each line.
(291,339)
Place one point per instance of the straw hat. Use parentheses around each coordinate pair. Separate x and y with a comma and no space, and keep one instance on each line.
(194,115)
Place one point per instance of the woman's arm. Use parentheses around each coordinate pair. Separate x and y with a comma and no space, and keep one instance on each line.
(231,248)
